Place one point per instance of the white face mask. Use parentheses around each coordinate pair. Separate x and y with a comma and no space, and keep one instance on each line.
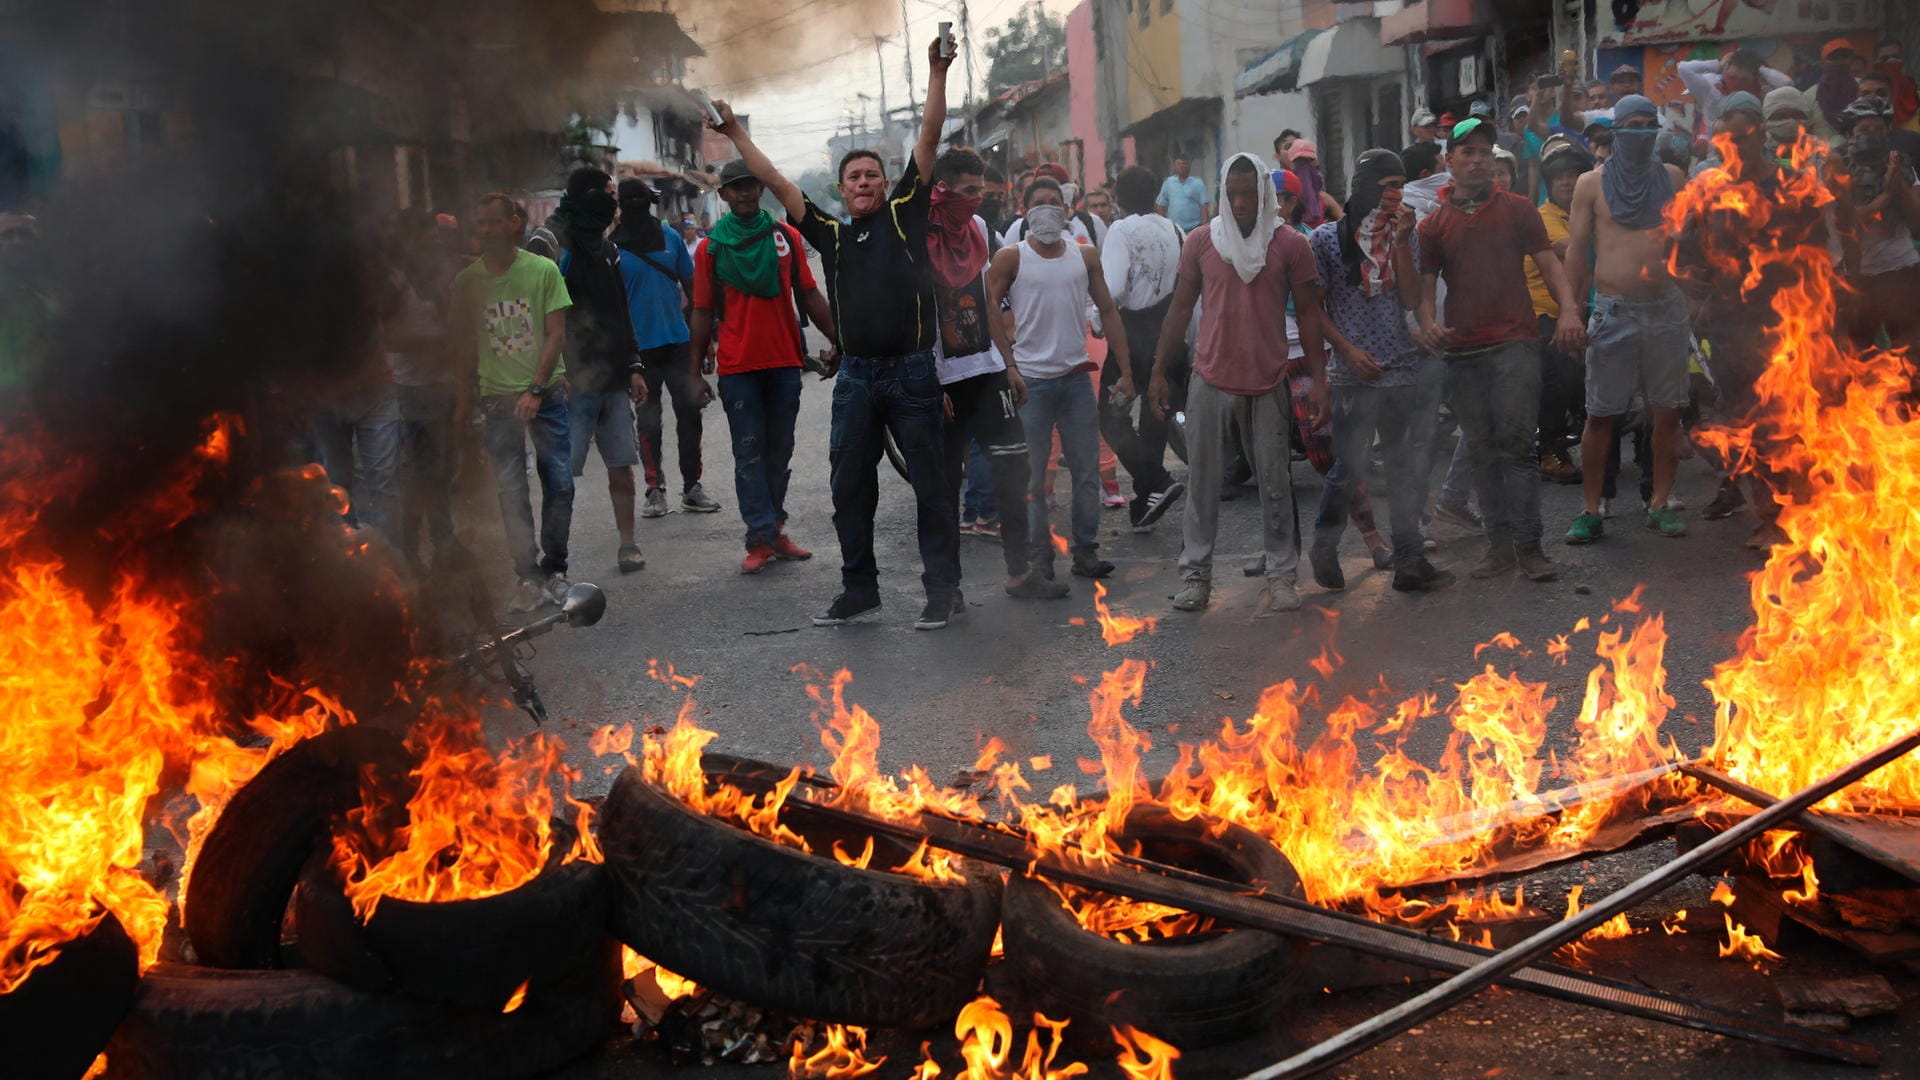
(1047,222)
(1783,131)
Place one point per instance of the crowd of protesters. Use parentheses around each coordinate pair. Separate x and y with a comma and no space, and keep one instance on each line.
(1523,281)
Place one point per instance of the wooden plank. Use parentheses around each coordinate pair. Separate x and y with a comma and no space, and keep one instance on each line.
(1855,996)
(1893,842)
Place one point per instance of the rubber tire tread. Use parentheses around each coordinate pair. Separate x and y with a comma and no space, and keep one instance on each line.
(195,1023)
(467,953)
(250,860)
(56,1022)
(1219,988)
(777,927)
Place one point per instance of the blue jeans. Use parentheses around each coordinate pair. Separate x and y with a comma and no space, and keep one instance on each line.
(426,504)
(506,436)
(900,394)
(1496,396)
(1065,402)
(977,501)
(1404,417)
(762,408)
(357,440)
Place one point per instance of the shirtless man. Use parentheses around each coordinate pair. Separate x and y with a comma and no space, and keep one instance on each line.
(1639,326)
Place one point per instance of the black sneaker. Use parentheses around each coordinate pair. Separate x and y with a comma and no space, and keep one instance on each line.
(1035,587)
(1157,505)
(847,607)
(1728,500)
(1422,576)
(1326,567)
(959,604)
(1087,564)
(936,614)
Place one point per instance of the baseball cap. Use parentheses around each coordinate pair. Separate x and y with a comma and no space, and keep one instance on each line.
(1446,120)
(1520,108)
(735,171)
(1624,71)
(1482,108)
(1424,118)
(1303,149)
(1835,47)
(1468,126)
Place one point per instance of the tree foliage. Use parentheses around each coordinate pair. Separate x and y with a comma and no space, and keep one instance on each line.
(1029,46)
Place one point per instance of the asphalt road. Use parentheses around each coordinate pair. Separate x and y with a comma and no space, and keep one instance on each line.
(1017,670)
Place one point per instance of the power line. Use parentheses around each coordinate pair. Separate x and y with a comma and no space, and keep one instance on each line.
(787,14)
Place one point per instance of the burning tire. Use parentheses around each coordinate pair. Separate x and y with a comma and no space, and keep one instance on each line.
(778,927)
(56,1022)
(210,1024)
(251,858)
(1195,990)
(471,954)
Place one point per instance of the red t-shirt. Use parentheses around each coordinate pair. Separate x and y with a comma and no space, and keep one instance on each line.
(756,333)
(1241,346)
(1482,255)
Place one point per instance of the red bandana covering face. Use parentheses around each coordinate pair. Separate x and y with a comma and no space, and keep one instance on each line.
(1376,244)
(956,250)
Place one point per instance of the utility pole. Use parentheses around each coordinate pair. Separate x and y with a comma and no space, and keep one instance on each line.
(906,46)
(966,46)
(881,58)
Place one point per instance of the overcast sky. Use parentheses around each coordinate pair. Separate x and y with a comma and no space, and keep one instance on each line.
(805,98)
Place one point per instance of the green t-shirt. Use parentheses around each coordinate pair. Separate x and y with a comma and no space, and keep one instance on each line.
(508,317)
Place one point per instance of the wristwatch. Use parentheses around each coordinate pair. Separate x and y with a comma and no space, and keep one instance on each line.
(537,389)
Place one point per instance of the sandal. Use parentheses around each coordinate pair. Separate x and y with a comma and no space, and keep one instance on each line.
(631,559)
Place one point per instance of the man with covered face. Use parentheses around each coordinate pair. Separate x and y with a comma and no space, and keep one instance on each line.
(881,289)
(1477,239)
(1639,329)
(1241,266)
(1885,199)
(1382,383)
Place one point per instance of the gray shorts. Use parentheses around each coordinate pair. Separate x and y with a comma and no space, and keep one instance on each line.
(606,419)
(1637,342)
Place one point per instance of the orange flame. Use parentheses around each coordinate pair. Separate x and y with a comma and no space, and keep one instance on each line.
(842,1055)
(1741,945)
(517,998)
(1118,629)
(1143,1057)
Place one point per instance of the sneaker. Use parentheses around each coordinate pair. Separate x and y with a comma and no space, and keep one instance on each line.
(1087,564)
(1193,596)
(1675,503)
(1157,506)
(1666,521)
(1555,467)
(1383,558)
(1534,562)
(556,588)
(847,607)
(1278,596)
(1606,508)
(1110,496)
(1586,528)
(784,547)
(1462,516)
(1428,543)
(656,504)
(959,604)
(987,529)
(526,596)
(1035,587)
(1766,537)
(758,556)
(1325,560)
(966,527)
(629,559)
(1728,500)
(1497,561)
(936,614)
(1422,576)
(695,499)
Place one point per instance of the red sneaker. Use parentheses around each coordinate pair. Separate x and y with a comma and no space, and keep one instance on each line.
(758,556)
(787,549)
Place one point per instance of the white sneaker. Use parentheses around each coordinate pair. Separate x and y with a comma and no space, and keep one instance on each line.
(526,596)
(1674,503)
(1606,508)
(557,586)
(1278,596)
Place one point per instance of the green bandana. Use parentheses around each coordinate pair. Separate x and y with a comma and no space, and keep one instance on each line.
(743,253)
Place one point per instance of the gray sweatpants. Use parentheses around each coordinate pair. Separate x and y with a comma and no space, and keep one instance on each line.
(1261,423)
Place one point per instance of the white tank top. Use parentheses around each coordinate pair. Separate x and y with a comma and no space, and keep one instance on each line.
(1049,312)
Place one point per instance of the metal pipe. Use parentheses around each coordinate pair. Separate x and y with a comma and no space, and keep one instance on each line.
(1364,1036)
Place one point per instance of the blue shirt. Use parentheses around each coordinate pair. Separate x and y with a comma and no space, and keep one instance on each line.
(1375,323)
(1185,200)
(653,292)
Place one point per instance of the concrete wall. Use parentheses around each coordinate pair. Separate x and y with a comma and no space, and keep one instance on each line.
(1083,73)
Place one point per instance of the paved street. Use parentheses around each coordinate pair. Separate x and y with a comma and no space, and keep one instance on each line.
(1015,669)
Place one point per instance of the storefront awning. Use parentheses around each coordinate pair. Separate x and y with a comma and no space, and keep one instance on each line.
(1437,19)
(1278,71)
(1351,50)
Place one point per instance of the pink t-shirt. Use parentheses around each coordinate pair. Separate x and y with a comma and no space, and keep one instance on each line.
(1242,344)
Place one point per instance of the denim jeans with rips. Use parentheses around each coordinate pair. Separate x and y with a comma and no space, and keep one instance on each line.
(506,438)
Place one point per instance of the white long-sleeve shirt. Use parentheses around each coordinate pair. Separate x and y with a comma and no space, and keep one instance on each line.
(1702,80)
